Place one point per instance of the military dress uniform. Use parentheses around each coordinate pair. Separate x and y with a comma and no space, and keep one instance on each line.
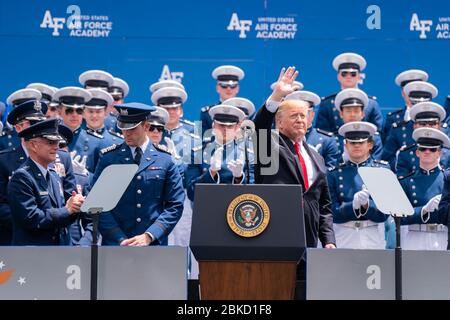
(323,142)
(401,80)
(153,201)
(36,197)
(422,230)
(328,117)
(355,228)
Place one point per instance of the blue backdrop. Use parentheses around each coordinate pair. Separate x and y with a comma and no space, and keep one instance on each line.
(135,40)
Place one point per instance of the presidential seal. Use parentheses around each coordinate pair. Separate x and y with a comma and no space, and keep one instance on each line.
(248,215)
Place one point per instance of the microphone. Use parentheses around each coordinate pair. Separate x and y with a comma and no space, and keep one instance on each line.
(248,127)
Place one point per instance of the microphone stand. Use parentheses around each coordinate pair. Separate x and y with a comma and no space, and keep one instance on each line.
(246,160)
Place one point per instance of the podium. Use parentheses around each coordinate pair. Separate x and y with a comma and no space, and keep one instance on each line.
(248,240)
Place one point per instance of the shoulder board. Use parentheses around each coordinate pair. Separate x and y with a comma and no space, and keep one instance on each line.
(327,133)
(394,112)
(383,162)
(372,97)
(117,134)
(399,124)
(162,148)
(193,135)
(95,134)
(197,148)
(330,96)
(110,148)
(187,122)
(339,166)
(206,109)
(405,148)
(407,175)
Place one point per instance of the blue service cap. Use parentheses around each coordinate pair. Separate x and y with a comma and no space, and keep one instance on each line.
(132,114)
(47,129)
(32,110)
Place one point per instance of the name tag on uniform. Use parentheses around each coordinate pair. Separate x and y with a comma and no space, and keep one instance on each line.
(43,193)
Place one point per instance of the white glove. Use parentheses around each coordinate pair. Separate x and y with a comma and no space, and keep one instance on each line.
(236,168)
(432,204)
(79,165)
(216,160)
(171,147)
(361,198)
(73,154)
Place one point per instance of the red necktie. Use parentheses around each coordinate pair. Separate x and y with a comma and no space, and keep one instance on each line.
(302,164)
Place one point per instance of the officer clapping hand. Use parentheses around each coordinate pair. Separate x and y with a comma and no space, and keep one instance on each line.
(284,84)
(361,199)
(236,167)
(75,202)
(431,205)
(137,241)
(79,163)
(171,147)
(216,162)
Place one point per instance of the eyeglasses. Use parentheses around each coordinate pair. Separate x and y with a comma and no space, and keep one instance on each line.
(231,86)
(352,73)
(159,128)
(423,149)
(69,111)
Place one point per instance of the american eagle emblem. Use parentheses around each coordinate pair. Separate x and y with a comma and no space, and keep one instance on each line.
(248,215)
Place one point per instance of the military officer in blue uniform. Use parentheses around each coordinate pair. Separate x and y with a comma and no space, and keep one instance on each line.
(423,187)
(399,115)
(424,114)
(22,117)
(118,90)
(8,137)
(227,87)
(158,119)
(40,215)
(352,104)
(323,142)
(220,160)
(94,136)
(180,131)
(401,132)
(153,202)
(349,67)
(358,224)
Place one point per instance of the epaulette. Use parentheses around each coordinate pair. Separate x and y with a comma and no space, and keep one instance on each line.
(406,148)
(162,148)
(194,136)
(395,112)
(187,122)
(206,109)
(110,148)
(327,133)
(114,133)
(383,162)
(399,124)
(372,97)
(339,166)
(95,134)
(330,96)
(406,176)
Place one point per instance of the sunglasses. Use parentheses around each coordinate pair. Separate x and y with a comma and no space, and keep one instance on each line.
(231,86)
(423,149)
(69,111)
(356,142)
(159,128)
(352,73)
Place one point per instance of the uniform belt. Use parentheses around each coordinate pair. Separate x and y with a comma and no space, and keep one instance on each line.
(359,224)
(432,227)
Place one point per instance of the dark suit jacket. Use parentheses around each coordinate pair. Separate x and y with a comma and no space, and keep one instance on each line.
(316,200)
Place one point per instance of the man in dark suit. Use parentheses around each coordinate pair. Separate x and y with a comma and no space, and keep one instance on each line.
(295,162)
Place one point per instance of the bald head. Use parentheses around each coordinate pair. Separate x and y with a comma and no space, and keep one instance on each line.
(292,119)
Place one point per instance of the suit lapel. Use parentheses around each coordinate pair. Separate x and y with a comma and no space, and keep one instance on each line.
(292,155)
